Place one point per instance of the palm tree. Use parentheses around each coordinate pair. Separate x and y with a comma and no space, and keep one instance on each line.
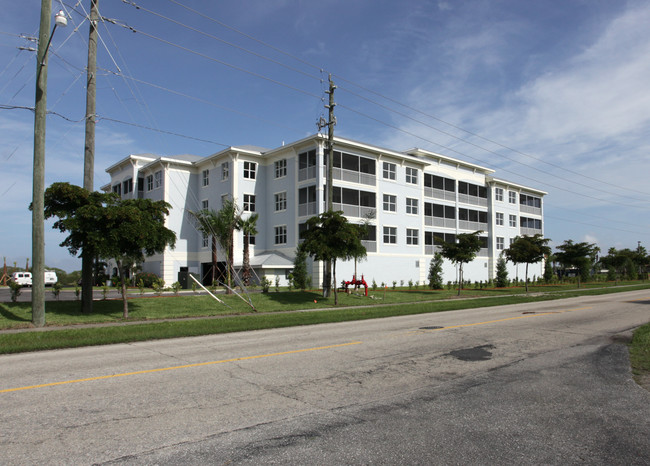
(207,223)
(228,220)
(248,227)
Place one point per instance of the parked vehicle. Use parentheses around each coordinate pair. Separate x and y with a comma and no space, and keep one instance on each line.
(50,278)
(22,278)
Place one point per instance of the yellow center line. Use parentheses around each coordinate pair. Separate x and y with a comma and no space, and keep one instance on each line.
(185,366)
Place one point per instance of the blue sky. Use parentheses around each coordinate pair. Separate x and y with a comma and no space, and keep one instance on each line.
(551,94)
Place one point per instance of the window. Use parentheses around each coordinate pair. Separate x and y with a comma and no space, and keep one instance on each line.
(281,234)
(472,189)
(281,168)
(157,179)
(389,171)
(390,235)
(499,218)
(412,236)
(411,206)
(149,182)
(206,178)
(225,170)
(204,204)
(500,243)
(533,223)
(530,201)
(249,203)
(117,189)
(140,184)
(498,194)
(204,240)
(127,186)
(390,203)
(513,220)
(512,197)
(224,198)
(440,211)
(411,175)
(281,201)
(249,170)
(438,182)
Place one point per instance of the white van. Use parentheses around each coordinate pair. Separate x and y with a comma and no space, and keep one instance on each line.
(50,278)
(22,278)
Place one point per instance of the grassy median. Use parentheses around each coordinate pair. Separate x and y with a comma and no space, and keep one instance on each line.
(194,315)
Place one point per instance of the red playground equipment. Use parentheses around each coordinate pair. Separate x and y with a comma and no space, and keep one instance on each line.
(356,282)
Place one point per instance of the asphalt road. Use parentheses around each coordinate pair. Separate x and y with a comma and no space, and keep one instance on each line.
(543,383)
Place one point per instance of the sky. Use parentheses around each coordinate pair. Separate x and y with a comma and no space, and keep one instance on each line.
(551,94)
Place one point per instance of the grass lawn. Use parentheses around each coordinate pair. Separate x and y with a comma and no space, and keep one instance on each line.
(236,315)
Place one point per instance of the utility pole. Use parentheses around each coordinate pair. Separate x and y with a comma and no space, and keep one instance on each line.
(38,193)
(87,254)
(327,279)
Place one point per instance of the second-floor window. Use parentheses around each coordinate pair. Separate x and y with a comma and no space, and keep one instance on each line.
(513,220)
(412,236)
(206,178)
(281,234)
(249,203)
(204,204)
(500,243)
(225,171)
(149,182)
(512,197)
(157,179)
(390,235)
(499,218)
(249,170)
(498,194)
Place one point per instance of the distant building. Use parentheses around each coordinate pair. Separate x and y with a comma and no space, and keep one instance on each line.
(414,198)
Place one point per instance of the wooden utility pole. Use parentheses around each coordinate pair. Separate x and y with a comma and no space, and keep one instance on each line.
(327,279)
(87,255)
(38,190)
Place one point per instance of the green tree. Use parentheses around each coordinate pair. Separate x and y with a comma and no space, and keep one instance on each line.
(329,236)
(228,220)
(549,273)
(207,223)
(75,209)
(126,230)
(579,255)
(527,250)
(299,273)
(461,252)
(435,272)
(248,226)
(502,273)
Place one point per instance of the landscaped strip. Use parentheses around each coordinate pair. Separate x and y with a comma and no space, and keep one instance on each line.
(103,335)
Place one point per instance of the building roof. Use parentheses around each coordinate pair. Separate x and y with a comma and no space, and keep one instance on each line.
(271,260)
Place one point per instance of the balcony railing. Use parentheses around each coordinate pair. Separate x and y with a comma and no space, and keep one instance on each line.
(354,210)
(439,222)
(354,177)
(474,200)
(439,194)
(530,210)
(307,209)
(308,173)
(530,231)
(371,246)
(473,226)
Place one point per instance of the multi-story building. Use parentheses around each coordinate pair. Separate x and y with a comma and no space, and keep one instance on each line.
(411,199)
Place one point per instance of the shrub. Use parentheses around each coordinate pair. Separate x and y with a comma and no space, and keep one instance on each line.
(394,284)
(266,284)
(277,283)
(56,290)
(176,287)
(15,290)
(147,278)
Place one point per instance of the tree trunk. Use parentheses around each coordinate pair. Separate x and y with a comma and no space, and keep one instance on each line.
(336,295)
(229,262)
(526,277)
(214,259)
(122,275)
(246,274)
(460,278)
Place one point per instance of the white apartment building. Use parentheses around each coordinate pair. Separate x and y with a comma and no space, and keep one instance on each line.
(413,199)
